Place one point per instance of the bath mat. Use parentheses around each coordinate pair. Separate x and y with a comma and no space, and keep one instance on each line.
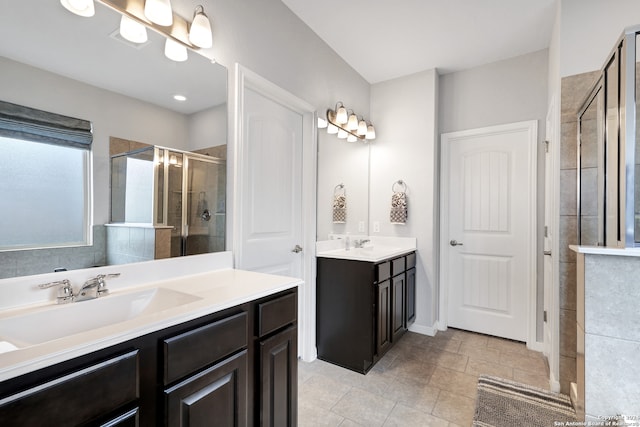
(504,403)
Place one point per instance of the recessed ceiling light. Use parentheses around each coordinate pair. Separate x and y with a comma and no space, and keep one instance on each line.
(180,97)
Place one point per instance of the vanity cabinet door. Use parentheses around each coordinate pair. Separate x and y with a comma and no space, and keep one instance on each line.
(80,397)
(278,380)
(398,326)
(384,317)
(411,296)
(215,397)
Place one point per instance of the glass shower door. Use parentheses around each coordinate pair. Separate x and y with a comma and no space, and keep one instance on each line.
(205,219)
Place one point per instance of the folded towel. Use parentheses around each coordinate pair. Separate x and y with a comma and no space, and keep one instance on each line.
(339,209)
(399,212)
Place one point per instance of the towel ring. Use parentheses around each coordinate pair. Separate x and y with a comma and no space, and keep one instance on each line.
(399,182)
(337,189)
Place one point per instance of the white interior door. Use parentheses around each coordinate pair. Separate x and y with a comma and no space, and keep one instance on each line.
(488,242)
(271,191)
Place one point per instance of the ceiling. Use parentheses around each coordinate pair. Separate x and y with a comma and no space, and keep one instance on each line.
(383,39)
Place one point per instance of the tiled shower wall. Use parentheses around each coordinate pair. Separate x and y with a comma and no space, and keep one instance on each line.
(574,91)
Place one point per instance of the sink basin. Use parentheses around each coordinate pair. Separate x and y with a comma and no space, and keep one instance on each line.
(368,253)
(50,323)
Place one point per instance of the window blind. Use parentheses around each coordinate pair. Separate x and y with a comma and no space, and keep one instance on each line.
(20,122)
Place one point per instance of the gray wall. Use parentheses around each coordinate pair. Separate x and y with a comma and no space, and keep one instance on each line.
(502,92)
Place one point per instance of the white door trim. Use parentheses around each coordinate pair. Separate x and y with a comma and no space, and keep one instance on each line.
(245,78)
(532,127)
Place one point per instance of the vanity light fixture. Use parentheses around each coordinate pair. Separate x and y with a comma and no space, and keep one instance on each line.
(159,12)
(347,125)
(341,116)
(352,123)
(137,15)
(84,8)
(175,51)
(200,32)
(132,30)
(322,123)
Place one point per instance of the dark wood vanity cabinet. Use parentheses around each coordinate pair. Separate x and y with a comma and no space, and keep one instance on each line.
(233,368)
(362,308)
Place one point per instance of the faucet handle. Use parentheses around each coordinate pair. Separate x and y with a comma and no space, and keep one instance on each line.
(65,290)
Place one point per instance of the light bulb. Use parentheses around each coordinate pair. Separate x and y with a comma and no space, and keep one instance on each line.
(84,8)
(362,128)
(341,115)
(175,51)
(342,134)
(322,123)
(132,30)
(200,31)
(332,129)
(159,12)
(352,124)
(351,138)
(371,132)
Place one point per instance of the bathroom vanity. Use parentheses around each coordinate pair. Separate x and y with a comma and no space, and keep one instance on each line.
(229,354)
(365,302)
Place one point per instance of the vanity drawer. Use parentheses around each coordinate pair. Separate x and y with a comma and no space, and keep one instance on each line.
(74,398)
(411,260)
(383,271)
(200,347)
(398,266)
(275,314)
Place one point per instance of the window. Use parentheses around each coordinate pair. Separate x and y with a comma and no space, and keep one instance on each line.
(45,179)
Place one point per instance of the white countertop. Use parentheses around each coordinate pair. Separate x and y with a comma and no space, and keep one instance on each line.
(603,250)
(216,290)
(376,250)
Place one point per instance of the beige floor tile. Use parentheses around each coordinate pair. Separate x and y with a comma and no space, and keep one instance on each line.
(449,343)
(403,416)
(507,345)
(480,353)
(524,362)
(322,391)
(482,367)
(368,408)
(447,359)
(311,415)
(350,423)
(454,382)
(455,408)
(411,369)
(374,381)
(414,394)
(471,339)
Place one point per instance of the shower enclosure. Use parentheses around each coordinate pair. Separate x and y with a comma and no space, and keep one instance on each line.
(167,189)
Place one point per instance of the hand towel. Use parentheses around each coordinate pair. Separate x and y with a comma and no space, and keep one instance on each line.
(399,212)
(339,209)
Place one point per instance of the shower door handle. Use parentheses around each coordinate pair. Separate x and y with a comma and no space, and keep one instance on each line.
(297,249)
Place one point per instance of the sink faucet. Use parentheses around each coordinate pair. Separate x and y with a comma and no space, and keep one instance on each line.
(94,287)
(65,290)
(359,243)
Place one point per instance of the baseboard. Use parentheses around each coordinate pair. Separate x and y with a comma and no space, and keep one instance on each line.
(424,330)
(554,384)
(536,346)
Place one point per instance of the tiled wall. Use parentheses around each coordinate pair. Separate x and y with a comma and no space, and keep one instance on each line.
(127,244)
(611,336)
(574,91)
(38,261)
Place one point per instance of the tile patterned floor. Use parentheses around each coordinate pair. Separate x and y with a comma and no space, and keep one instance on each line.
(422,381)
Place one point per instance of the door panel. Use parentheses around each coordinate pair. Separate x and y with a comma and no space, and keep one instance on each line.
(489,221)
(271,191)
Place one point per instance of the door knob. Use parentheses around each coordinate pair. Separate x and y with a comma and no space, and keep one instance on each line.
(297,249)
(455,243)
